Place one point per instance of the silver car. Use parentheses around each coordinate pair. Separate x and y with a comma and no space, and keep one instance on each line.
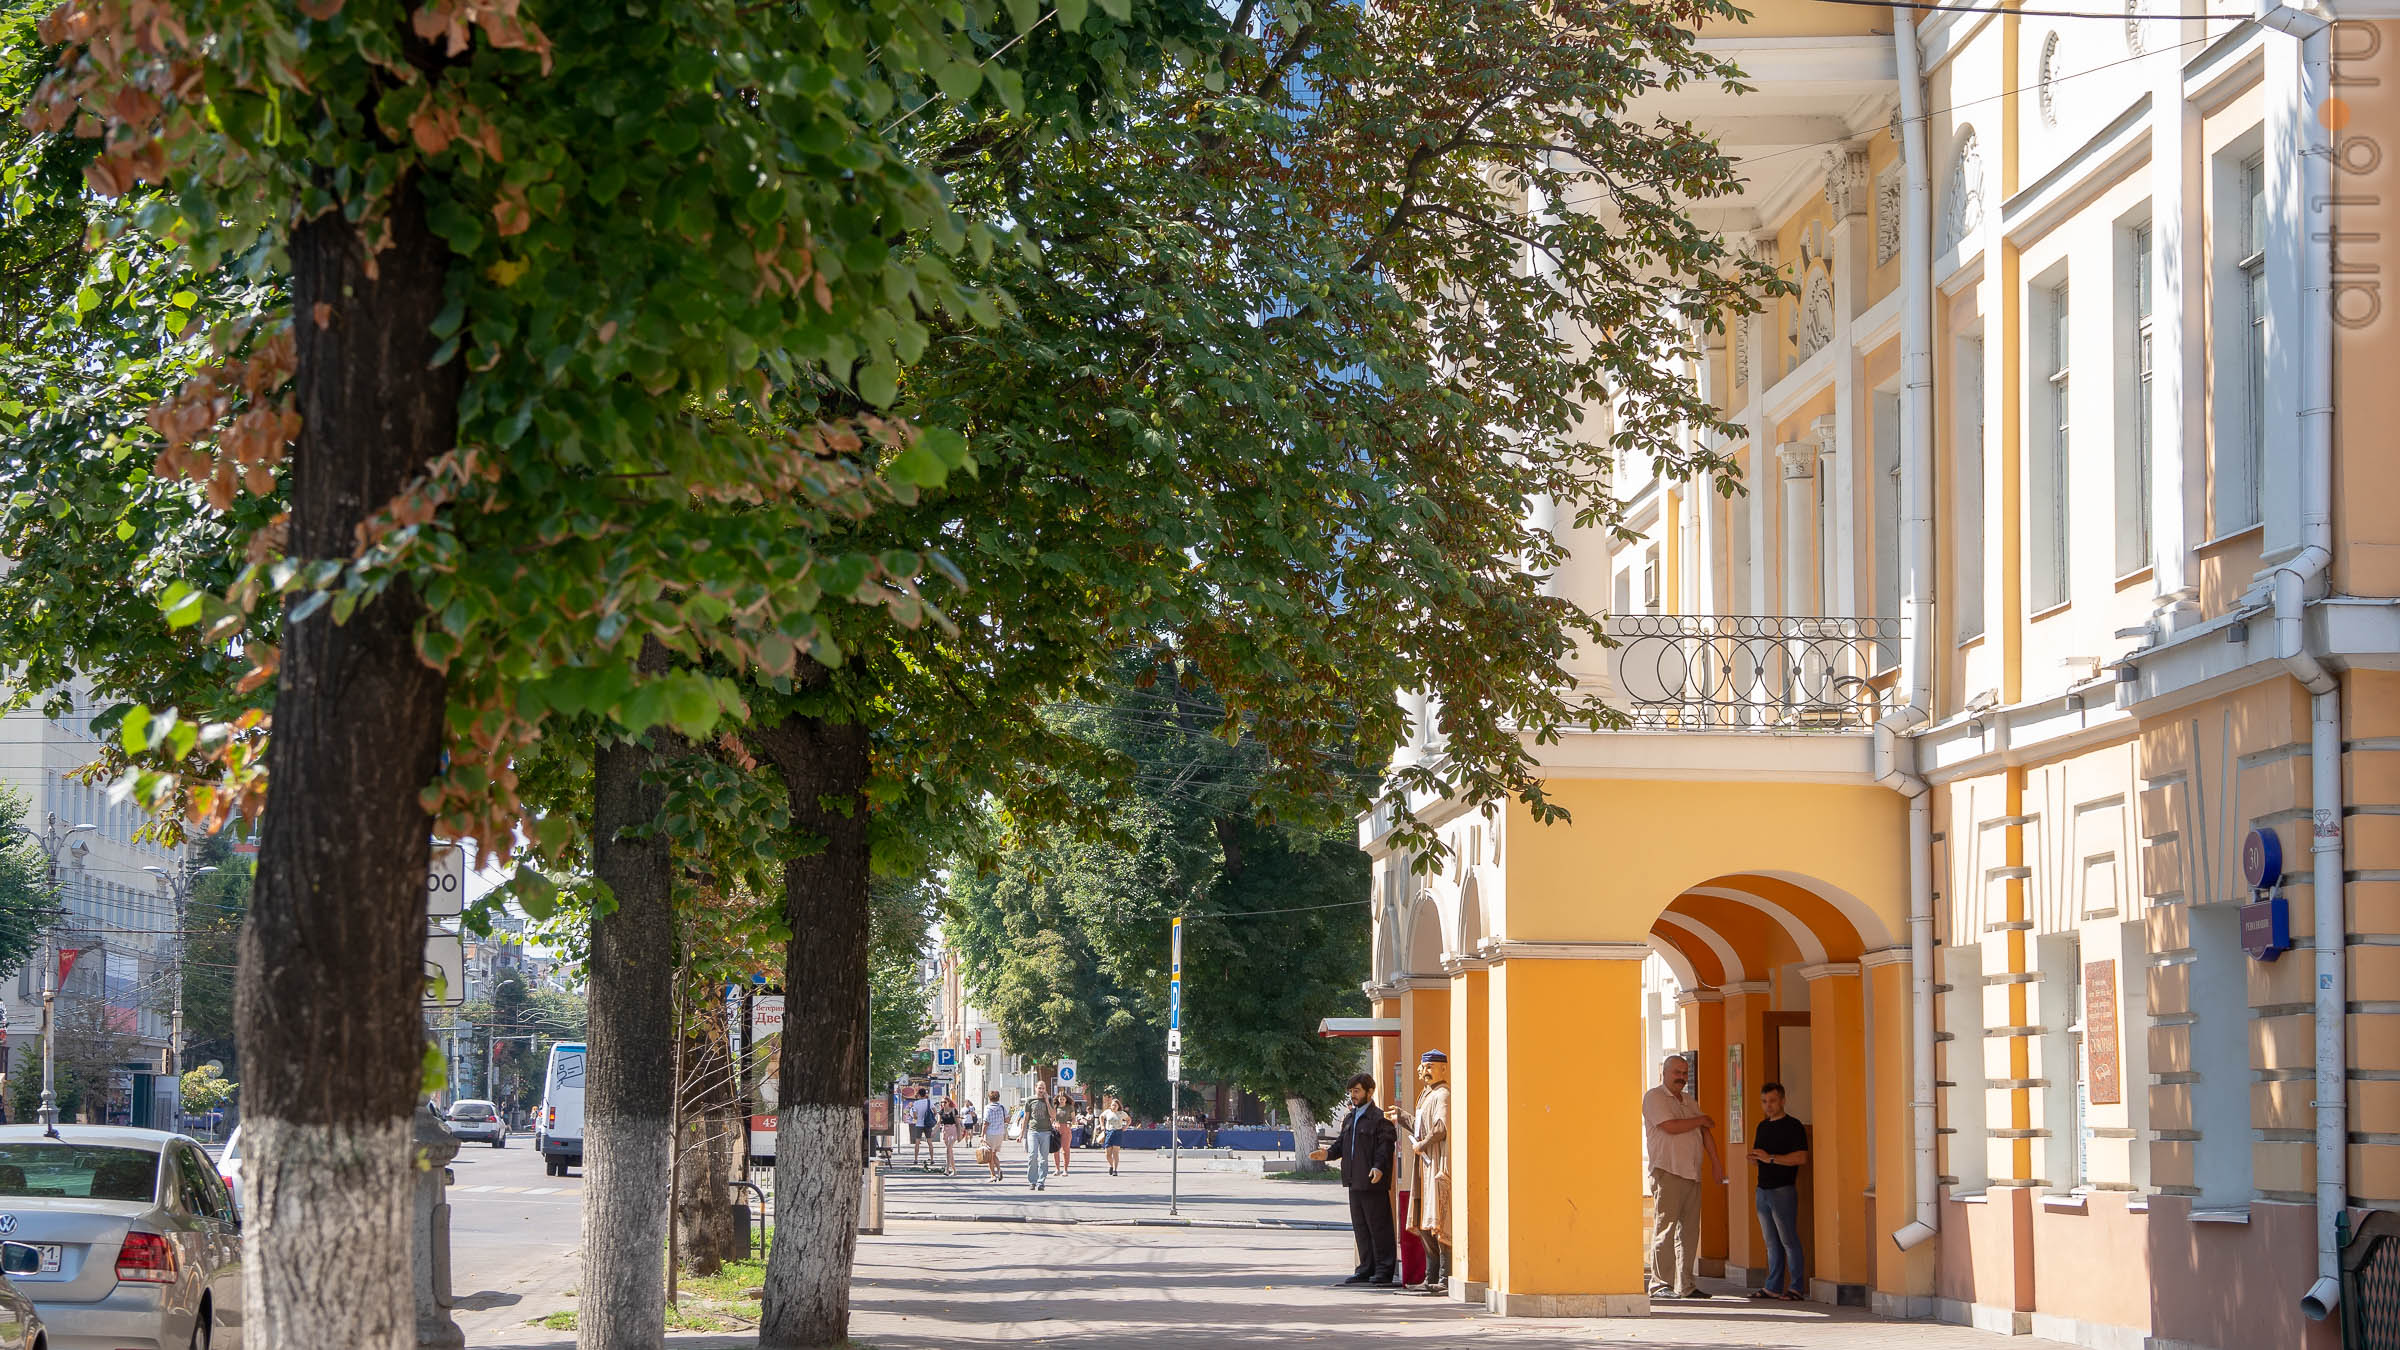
(135,1240)
(20,1323)
(471,1119)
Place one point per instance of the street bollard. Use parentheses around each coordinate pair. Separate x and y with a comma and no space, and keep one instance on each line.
(429,1233)
(870,1201)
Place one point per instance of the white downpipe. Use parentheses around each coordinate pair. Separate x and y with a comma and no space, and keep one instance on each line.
(1893,767)
(2290,586)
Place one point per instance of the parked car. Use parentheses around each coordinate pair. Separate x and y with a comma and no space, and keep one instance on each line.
(135,1239)
(478,1121)
(558,1123)
(20,1322)
(229,1166)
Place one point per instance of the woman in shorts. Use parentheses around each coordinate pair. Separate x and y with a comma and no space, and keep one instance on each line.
(951,1130)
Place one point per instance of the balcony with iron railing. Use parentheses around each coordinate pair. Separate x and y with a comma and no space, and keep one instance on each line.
(1778,673)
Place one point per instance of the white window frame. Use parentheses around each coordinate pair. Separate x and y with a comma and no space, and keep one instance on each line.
(2049,553)
(1966,504)
(2239,320)
(2137,419)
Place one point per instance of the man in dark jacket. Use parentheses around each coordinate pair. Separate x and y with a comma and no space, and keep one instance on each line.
(1364,1144)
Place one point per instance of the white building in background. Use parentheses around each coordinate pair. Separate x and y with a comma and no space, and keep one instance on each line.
(982,1062)
(119,915)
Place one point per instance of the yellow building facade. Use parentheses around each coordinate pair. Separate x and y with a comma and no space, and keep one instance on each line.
(2065,566)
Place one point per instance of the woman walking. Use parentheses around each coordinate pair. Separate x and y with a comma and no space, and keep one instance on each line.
(995,1130)
(1112,1124)
(1062,1139)
(950,1134)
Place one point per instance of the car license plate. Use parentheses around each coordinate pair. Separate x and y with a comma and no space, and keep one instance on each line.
(28,1258)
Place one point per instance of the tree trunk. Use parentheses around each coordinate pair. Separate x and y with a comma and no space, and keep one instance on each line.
(1304,1134)
(711,1143)
(629,1074)
(823,1064)
(328,1005)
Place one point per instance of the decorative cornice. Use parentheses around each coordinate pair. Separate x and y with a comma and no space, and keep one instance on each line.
(1502,949)
(1461,964)
(1745,988)
(1829,435)
(1824,969)
(1684,998)
(1418,980)
(1379,991)
(1799,458)
(1889,956)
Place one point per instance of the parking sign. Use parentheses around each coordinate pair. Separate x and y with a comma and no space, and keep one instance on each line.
(945,1058)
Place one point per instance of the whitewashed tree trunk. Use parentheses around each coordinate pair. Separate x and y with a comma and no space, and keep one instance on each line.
(1304,1133)
(314,1195)
(817,1174)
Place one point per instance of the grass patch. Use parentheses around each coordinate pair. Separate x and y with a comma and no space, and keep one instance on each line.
(678,1319)
(1327,1175)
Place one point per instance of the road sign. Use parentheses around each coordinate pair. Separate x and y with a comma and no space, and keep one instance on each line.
(945,1057)
(1174,1041)
(446,882)
(445,969)
(1066,1073)
(1175,975)
(1174,1067)
(766,1015)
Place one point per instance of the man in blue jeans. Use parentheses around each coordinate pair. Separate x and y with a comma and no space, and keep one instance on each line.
(1780,1148)
(1041,1120)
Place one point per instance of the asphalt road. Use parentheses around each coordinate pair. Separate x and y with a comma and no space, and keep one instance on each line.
(514,1237)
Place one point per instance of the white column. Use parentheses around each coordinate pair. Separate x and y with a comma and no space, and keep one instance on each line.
(1753,599)
(2178,303)
(1849,191)
(1798,460)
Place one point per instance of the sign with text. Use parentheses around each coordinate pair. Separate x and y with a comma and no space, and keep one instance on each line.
(1174,1067)
(2267,928)
(1737,1093)
(766,1016)
(445,969)
(446,882)
(2100,1032)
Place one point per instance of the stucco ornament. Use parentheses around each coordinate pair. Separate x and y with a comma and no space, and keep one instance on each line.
(1815,324)
(1962,209)
(1846,181)
(1887,215)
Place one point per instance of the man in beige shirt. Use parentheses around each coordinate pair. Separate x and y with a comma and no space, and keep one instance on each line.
(1676,1132)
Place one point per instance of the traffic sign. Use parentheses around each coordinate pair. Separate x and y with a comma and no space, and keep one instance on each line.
(1174,1067)
(1066,1073)
(946,1057)
(1174,1041)
(446,882)
(445,969)
(1175,1005)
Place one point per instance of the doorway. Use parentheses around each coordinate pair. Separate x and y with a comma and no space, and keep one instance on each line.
(1788,1062)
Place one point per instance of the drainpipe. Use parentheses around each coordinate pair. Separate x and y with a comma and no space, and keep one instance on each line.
(1893,768)
(2290,583)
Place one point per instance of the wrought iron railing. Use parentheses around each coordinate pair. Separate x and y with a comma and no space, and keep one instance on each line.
(2371,1280)
(1752,672)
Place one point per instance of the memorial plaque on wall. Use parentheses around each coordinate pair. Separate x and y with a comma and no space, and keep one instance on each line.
(2100,1032)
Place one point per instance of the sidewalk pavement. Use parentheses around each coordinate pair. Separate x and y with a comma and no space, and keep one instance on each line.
(995,1266)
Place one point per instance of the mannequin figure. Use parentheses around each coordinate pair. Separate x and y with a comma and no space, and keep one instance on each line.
(1428,1127)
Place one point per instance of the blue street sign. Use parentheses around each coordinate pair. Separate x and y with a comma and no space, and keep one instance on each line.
(1175,1004)
(945,1058)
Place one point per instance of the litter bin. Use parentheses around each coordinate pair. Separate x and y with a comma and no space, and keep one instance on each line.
(870,1200)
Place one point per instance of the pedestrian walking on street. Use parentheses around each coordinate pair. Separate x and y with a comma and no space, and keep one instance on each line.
(950,1133)
(1677,1134)
(1428,1128)
(1364,1145)
(1113,1121)
(1062,1135)
(995,1132)
(1780,1148)
(1040,1122)
(920,1131)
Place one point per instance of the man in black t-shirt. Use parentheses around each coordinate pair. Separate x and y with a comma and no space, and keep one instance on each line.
(1780,1148)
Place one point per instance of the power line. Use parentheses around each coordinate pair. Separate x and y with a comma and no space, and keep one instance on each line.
(1262,913)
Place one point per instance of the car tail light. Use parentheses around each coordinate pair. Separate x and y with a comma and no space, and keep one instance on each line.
(146,1259)
(549,1117)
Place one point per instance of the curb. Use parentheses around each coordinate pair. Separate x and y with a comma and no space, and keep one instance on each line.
(1304,1225)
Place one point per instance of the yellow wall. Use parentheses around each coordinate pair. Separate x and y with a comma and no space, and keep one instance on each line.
(1634,845)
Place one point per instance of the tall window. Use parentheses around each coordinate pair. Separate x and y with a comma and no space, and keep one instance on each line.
(1967,486)
(2253,448)
(2049,506)
(2134,451)
(1888,507)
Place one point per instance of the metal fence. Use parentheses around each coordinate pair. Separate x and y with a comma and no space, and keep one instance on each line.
(1764,672)
(2371,1285)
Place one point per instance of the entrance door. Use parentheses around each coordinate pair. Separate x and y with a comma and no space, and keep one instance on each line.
(1788,1063)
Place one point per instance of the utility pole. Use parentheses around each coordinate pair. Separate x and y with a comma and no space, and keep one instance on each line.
(1175,1065)
(178,886)
(52,841)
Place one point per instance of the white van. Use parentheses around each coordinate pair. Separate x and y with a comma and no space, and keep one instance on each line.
(558,1124)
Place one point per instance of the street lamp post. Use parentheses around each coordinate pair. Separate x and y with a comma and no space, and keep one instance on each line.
(52,841)
(178,886)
